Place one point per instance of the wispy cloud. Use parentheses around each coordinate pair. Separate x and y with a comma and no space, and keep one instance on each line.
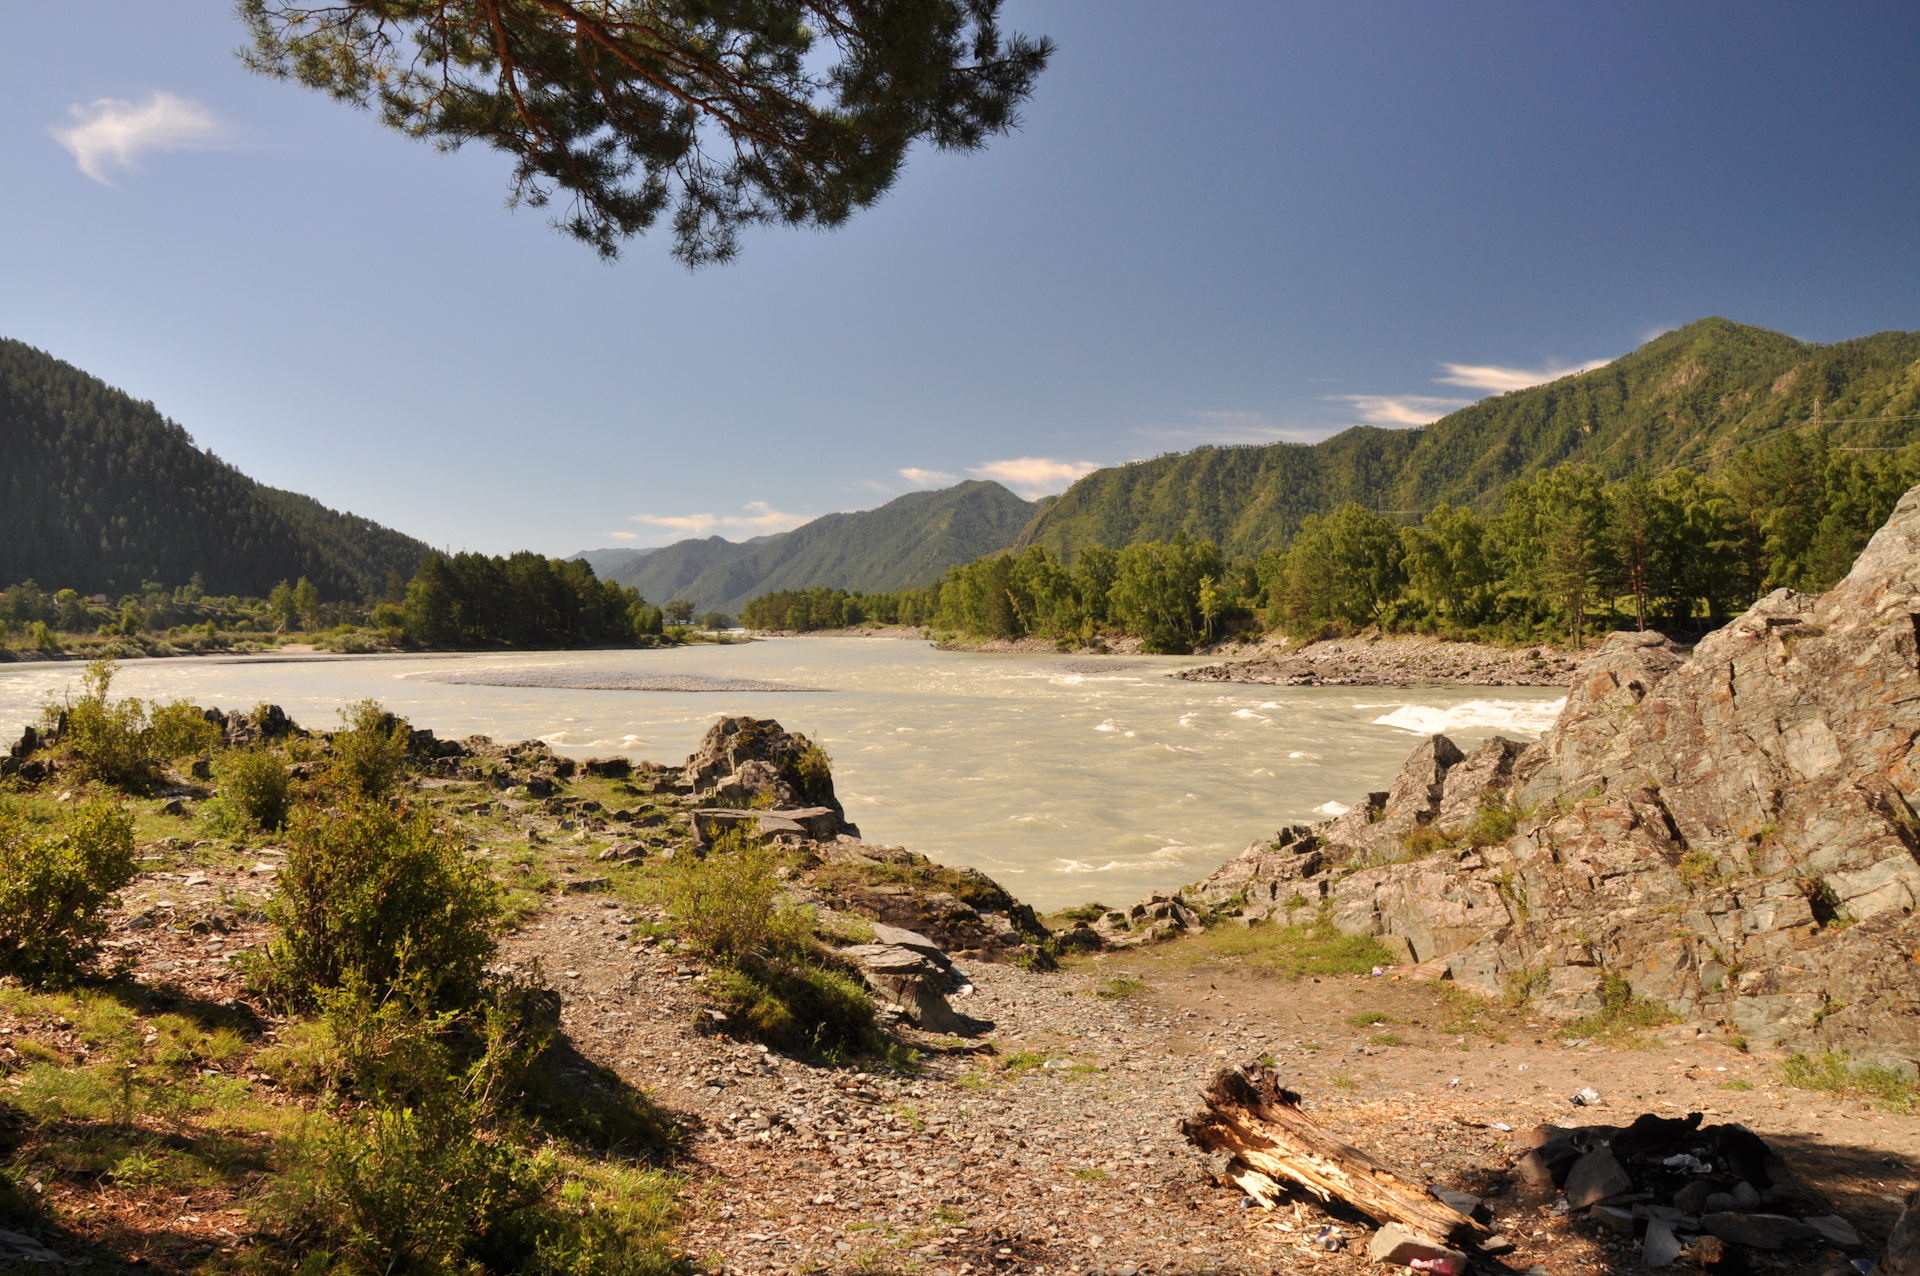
(1499,380)
(760,519)
(1399,409)
(621,536)
(1229,427)
(926,478)
(114,134)
(1034,476)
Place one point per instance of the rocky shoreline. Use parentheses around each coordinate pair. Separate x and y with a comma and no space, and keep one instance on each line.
(1397,660)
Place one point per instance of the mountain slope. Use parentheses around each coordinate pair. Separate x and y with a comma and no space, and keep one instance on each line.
(1688,397)
(907,542)
(99,492)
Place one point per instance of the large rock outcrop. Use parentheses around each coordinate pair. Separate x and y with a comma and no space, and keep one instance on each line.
(755,763)
(1732,832)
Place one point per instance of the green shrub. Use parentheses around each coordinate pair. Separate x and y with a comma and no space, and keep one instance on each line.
(108,739)
(180,728)
(813,770)
(728,904)
(256,787)
(369,750)
(1083,913)
(1492,824)
(55,890)
(374,897)
(800,1005)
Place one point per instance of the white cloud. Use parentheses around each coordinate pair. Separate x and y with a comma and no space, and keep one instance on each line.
(1498,380)
(760,519)
(926,478)
(1399,409)
(113,134)
(621,536)
(1034,476)
(1230,428)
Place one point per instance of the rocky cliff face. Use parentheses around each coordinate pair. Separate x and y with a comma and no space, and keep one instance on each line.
(1731,832)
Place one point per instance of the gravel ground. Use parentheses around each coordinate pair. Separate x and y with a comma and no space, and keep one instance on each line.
(1397,662)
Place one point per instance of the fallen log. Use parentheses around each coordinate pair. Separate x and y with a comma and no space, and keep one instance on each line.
(1260,1125)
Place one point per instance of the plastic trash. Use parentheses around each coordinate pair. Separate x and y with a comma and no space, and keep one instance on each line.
(1691,1164)
(1586,1096)
(1443,1266)
(1562,1206)
(1502,1125)
(1378,971)
(1453,1083)
(1329,1239)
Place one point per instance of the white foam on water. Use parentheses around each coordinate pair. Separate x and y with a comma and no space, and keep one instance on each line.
(1333,808)
(1521,717)
(1248,713)
(1302,753)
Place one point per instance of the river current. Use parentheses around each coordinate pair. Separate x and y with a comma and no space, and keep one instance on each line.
(1068,778)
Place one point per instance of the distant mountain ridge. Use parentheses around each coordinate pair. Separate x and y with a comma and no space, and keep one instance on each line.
(1687,397)
(100,492)
(908,542)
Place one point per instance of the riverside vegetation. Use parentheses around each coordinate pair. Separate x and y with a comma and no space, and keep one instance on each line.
(1566,553)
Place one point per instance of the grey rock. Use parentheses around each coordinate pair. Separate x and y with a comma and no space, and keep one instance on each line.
(1460,1202)
(1756,1231)
(1613,1218)
(1497,1244)
(1693,1197)
(1595,1177)
(1396,1244)
(1720,1202)
(1903,1243)
(1746,1196)
(1834,1230)
(1660,1246)
(18,1248)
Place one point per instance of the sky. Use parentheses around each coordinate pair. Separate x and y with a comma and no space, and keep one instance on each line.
(1218,223)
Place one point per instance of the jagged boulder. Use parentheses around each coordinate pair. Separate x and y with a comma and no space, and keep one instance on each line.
(1731,833)
(741,759)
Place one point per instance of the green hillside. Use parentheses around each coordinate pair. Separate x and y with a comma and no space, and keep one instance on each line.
(905,543)
(99,492)
(1686,398)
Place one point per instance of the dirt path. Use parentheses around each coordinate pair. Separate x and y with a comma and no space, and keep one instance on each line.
(1060,1152)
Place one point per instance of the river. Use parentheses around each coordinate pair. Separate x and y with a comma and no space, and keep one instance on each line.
(1068,778)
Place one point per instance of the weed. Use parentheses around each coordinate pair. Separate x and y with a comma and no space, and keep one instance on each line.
(1427,840)
(1303,948)
(1120,987)
(1090,1173)
(1835,1072)
(1021,1061)
(1344,1080)
(1495,822)
(1368,1019)
(729,904)
(1736,1085)
(1523,983)
(798,1004)
(1388,1039)
(1083,913)
(56,888)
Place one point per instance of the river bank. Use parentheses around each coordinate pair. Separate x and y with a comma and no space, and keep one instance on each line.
(1396,660)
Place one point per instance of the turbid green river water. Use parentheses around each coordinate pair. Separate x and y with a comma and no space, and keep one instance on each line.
(1068,778)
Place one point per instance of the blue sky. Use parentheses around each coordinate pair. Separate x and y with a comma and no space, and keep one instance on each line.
(1220,223)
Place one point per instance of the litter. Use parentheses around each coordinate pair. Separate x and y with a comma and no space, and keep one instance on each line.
(1585,1097)
(1691,1164)
(1328,1239)
(1502,1125)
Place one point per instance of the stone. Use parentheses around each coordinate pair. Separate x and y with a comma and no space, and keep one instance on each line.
(1745,1196)
(615,768)
(1720,1203)
(18,1248)
(1693,1197)
(1534,1170)
(1613,1218)
(1902,1257)
(1659,1246)
(1756,1231)
(1497,1244)
(1834,1230)
(1460,1202)
(1397,1244)
(1595,1177)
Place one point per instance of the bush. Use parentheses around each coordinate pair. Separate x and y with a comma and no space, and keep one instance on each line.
(1492,824)
(55,890)
(370,750)
(108,739)
(797,1004)
(728,905)
(180,728)
(374,898)
(256,787)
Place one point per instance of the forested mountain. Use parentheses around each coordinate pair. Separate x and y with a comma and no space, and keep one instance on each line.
(99,492)
(905,543)
(1686,398)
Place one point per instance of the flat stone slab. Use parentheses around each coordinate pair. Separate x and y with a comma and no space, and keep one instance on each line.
(1396,1244)
(1595,1177)
(1757,1231)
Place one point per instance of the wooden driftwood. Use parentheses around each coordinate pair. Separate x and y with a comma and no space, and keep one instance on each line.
(1250,1118)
